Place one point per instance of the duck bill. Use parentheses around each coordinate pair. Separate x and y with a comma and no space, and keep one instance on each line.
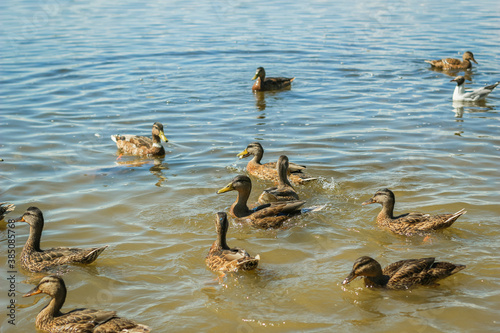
(229,187)
(163,137)
(34,291)
(255,76)
(243,154)
(474,61)
(19,219)
(368,202)
(349,278)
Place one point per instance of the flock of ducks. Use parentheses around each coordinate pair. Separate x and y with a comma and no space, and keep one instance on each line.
(275,206)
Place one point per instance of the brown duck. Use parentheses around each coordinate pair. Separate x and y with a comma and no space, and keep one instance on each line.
(34,259)
(5,208)
(141,145)
(268,171)
(271,215)
(52,320)
(284,191)
(223,258)
(264,83)
(402,274)
(451,63)
(409,223)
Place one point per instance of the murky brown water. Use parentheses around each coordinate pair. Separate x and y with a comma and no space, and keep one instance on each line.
(364,112)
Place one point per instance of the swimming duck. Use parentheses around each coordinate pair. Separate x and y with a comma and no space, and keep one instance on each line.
(223,258)
(141,145)
(472,96)
(52,320)
(34,259)
(268,171)
(408,223)
(271,215)
(270,83)
(5,208)
(284,191)
(451,63)
(402,274)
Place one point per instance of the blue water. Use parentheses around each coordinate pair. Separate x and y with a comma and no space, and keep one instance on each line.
(364,112)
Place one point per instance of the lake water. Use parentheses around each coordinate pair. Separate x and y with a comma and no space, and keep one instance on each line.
(364,112)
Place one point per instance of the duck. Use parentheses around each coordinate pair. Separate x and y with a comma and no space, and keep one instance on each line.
(52,320)
(451,63)
(5,208)
(409,223)
(270,215)
(34,259)
(471,96)
(268,170)
(264,83)
(402,274)
(284,191)
(141,145)
(221,257)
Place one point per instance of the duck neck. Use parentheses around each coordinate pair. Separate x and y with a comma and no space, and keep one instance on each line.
(379,280)
(240,208)
(387,209)
(221,239)
(33,242)
(51,310)
(283,177)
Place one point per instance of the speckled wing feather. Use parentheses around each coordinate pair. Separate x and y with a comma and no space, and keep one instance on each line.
(409,272)
(37,261)
(230,260)
(78,320)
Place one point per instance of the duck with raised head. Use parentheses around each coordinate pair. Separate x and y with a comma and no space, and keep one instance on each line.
(403,274)
(52,320)
(5,208)
(141,145)
(263,83)
(268,170)
(451,63)
(223,258)
(459,94)
(409,223)
(284,191)
(34,259)
(270,215)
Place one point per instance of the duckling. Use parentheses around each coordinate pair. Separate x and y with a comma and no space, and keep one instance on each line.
(223,258)
(141,145)
(52,320)
(451,63)
(284,191)
(409,223)
(5,208)
(271,215)
(476,95)
(270,83)
(34,259)
(268,171)
(402,274)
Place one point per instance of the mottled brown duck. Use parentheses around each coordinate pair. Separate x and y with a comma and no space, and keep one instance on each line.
(403,274)
(271,215)
(268,171)
(409,223)
(34,259)
(141,145)
(52,320)
(263,83)
(5,208)
(221,257)
(284,191)
(451,63)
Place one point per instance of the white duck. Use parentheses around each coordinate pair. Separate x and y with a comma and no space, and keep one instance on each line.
(471,96)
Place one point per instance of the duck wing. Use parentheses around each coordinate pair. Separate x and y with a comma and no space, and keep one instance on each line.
(406,273)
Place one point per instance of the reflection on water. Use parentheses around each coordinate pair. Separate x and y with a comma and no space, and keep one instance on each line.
(364,113)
